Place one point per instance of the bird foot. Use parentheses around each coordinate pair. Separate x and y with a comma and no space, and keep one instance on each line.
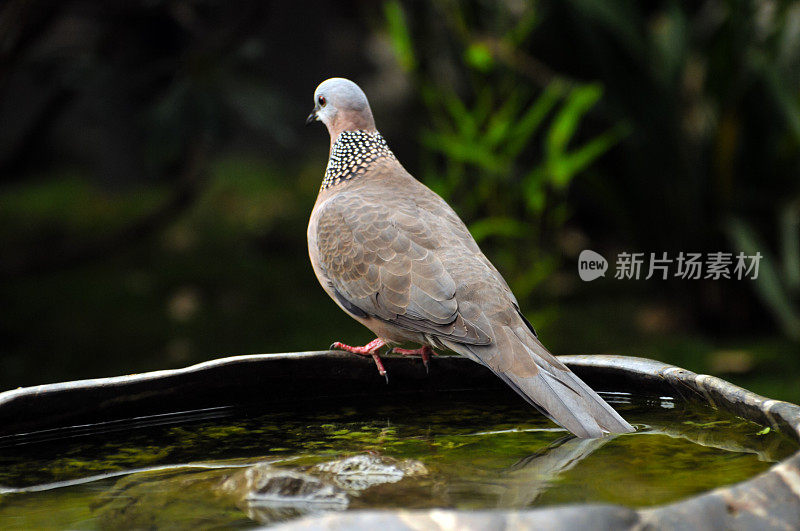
(370,349)
(424,352)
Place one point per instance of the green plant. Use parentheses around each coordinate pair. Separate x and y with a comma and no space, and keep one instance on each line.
(778,281)
(501,146)
(710,90)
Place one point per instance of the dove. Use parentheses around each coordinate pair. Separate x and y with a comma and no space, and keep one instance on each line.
(397,258)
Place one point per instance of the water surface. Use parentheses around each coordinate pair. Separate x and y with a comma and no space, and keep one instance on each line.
(479,451)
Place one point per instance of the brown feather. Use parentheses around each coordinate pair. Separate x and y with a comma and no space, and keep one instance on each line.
(385,246)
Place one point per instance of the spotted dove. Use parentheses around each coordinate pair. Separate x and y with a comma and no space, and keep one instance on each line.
(394,256)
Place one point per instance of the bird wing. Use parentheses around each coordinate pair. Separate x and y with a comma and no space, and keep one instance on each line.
(379,258)
(473,267)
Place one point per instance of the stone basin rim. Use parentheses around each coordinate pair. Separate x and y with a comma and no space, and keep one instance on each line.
(770,500)
(686,384)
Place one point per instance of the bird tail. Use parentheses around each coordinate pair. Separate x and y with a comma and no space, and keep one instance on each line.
(520,360)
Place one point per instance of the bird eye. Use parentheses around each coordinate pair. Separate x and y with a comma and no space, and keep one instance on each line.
(321,101)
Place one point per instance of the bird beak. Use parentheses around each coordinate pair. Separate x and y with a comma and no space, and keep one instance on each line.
(312,117)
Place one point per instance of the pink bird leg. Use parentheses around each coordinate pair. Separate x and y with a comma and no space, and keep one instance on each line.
(424,352)
(370,349)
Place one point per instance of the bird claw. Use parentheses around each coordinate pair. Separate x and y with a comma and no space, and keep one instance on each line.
(379,364)
(423,352)
(370,349)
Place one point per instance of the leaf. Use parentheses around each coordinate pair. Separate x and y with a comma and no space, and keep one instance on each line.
(463,119)
(534,188)
(767,285)
(497,226)
(501,121)
(764,431)
(579,102)
(564,168)
(460,149)
(524,27)
(483,104)
(530,121)
(479,57)
(399,35)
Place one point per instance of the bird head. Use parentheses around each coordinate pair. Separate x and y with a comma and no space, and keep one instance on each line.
(342,106)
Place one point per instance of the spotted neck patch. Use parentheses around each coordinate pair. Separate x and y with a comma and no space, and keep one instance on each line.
(352,154)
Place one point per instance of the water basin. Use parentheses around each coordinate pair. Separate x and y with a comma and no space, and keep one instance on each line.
(470,449)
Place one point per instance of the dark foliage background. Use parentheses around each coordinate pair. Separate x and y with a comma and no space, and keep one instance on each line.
(156,177)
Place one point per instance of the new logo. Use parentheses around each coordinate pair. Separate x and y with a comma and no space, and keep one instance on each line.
(591,265)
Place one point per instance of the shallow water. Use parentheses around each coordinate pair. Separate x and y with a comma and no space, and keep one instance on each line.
(477,450)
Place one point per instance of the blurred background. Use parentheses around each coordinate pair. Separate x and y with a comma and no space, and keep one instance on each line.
(156,177)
